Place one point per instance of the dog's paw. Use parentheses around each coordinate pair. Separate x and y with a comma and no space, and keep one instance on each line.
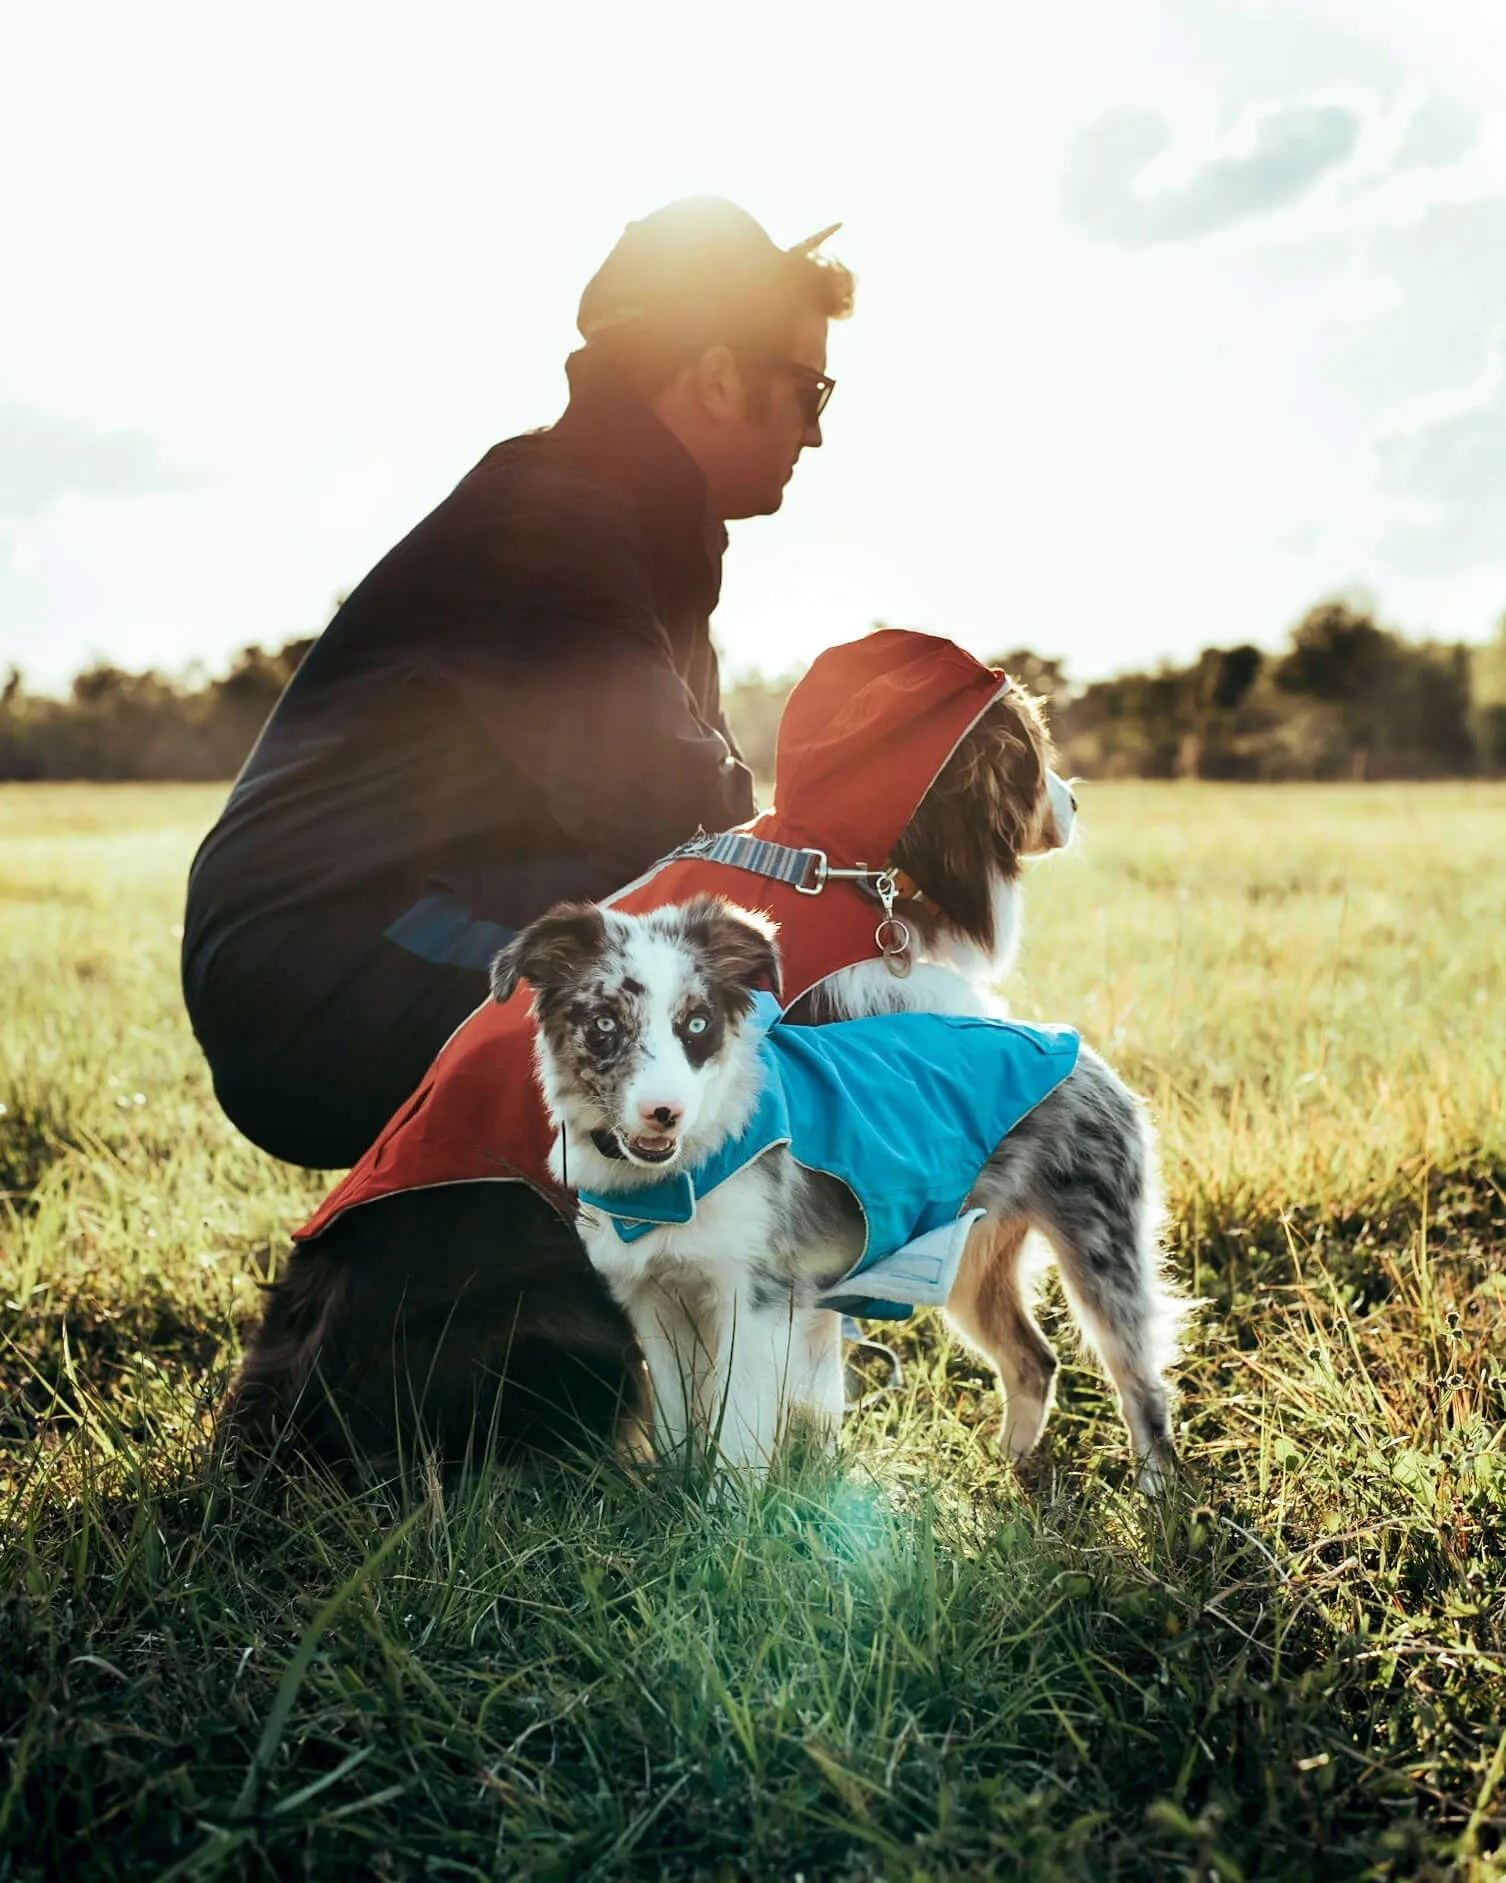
(1159,1470)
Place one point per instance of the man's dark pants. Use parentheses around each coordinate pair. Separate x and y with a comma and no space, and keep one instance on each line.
(321,1095)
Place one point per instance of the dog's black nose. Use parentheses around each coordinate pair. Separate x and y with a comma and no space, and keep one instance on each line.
(663,1116)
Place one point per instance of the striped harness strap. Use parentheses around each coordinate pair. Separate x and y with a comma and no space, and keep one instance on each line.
(806,870)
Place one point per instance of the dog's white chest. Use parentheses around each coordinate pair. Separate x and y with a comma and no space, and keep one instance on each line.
(732,1229)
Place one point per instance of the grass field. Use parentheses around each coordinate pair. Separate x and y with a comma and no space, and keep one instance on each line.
(907,1668)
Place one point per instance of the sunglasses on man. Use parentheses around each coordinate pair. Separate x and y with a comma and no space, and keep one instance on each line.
(812,389)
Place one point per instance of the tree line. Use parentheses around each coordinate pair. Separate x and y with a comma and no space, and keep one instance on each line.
(1346,698)
(120,725)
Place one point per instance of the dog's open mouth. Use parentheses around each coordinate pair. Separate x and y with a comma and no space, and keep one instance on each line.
(651,1148)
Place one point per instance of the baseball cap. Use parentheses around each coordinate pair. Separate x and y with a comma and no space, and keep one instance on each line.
(683,267)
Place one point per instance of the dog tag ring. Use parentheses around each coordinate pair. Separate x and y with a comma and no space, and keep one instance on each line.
(892,936)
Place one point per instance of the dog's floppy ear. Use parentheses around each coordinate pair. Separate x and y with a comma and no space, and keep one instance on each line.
(738,946)
(550,951)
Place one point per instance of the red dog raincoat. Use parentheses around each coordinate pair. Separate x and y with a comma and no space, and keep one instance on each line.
(865,732)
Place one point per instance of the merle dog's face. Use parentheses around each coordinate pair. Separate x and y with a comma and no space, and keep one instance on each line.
(637,1014)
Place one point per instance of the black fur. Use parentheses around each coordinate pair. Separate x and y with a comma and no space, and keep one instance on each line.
(447,1315)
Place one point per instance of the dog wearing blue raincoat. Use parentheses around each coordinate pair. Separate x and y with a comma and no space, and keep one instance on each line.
(743,1182)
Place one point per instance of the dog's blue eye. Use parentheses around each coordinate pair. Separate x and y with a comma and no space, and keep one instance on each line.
(697,1023)
(605,1023)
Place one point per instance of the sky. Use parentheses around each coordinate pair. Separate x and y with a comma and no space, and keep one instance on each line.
(1172,319)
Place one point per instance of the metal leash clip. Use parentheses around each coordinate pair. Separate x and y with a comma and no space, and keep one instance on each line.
(892,936)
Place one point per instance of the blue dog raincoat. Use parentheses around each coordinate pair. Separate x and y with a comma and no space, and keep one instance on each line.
(905,1109)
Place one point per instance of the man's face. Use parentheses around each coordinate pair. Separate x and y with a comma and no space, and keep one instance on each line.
(762,444)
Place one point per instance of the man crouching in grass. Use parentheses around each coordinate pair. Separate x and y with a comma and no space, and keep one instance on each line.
(520,704)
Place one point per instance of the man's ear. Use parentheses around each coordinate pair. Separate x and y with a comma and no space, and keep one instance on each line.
(738,946)
(720,384)
(550,952)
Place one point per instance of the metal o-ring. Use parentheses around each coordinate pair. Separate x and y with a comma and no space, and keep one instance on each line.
(892,936)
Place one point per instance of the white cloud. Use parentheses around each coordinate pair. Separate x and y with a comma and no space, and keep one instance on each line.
(1440,131)
(1273,161)
(1445,272)
(1450,473)
(44,456)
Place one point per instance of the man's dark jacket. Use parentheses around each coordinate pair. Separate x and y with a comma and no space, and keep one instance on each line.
(520,703)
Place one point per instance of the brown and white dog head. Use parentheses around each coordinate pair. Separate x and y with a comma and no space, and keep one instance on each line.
(995,803)
(640,1022)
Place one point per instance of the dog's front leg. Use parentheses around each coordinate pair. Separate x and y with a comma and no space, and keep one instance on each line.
(750,1394)
(816,1385)
(680,1364)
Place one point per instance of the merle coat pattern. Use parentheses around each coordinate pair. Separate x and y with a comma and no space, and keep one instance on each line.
(646,1067)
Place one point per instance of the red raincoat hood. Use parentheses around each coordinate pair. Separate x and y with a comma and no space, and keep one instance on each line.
(863,735)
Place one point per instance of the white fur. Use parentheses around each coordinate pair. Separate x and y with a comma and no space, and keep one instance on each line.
(722,1367)
(953,975)
(1063,808)
(664,1075)
(720,1363)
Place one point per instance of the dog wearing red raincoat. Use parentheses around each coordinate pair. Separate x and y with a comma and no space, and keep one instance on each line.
(441,1289)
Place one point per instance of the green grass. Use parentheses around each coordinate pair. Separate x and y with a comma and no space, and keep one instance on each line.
(908,1667)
